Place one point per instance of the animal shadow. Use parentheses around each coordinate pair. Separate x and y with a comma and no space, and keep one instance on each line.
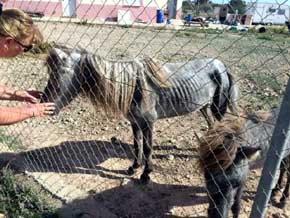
(81,157)
(133,200)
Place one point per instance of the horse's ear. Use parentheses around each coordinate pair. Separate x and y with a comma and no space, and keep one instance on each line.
(55,58)
(251,153)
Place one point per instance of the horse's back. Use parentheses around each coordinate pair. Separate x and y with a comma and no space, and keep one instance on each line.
(191,87)
(260,134)
(198,67)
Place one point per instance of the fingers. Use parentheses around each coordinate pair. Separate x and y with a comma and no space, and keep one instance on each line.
(49,108)
(42,109)
(48,104)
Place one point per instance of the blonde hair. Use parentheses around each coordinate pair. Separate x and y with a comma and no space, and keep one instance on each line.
(19,25)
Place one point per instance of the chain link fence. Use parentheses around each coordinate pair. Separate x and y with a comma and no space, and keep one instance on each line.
(80,157)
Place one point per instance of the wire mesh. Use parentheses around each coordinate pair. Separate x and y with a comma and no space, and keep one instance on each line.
(82,155)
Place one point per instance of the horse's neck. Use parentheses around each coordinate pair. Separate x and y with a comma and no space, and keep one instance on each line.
(111,83)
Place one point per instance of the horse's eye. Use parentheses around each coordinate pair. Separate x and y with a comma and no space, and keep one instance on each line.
(63,59)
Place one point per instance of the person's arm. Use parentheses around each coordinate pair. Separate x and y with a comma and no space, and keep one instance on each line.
(7,93)
(11,115)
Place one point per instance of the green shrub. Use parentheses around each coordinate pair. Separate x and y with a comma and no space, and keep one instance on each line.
(12,142)
(17,200)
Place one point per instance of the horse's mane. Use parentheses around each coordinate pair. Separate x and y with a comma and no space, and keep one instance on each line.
(117,81)
(219,145)
(156,73)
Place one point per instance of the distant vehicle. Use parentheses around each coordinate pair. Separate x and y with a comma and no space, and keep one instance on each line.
(268,13)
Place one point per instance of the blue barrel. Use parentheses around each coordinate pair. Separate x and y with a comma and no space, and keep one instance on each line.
(159,16)
(188,18)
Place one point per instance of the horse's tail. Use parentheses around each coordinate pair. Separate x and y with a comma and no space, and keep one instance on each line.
(225,95)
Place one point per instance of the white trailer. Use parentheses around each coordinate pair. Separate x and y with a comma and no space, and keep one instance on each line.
(268,13)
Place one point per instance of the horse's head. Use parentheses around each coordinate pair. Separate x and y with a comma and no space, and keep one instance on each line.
(225,160)
(64,83)
(224,146)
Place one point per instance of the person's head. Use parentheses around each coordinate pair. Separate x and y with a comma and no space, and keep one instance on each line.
(17,33)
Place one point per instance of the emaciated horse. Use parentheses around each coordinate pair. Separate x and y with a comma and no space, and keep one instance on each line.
(141,90)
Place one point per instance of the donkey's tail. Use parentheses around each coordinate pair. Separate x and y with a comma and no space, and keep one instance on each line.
(225,95)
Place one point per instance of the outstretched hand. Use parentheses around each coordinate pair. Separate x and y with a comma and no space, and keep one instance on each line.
(41,109)
(30,96)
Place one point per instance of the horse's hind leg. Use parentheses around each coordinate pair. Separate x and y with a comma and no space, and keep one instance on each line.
(207,115)
(278,186)
(286,190)
(137,134)
(148,149)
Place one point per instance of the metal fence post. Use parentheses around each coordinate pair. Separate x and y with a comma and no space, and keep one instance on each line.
(274,156)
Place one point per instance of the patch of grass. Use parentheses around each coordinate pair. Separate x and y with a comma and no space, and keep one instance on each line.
(278,30)
(206,30)
(12,142)
(265,81)
(265,91)
(265,36)
(18,200)
(272,37)
(190,32)
(260,102)
(275,33)
(157,28)
(283,30)
(185,34)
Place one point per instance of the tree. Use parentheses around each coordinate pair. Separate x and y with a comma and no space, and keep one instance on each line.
(202,2)
(239,5)
(187,7)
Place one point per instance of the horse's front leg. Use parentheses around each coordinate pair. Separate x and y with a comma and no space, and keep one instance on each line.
(236,207)
(148,149)
(137,134)
(218,204)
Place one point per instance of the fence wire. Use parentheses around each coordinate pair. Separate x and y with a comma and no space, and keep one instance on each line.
(160,70)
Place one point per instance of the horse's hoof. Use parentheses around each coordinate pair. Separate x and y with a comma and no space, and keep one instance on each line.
(282,202)
(274,198)
(136,165)
(144,179)
(130,171)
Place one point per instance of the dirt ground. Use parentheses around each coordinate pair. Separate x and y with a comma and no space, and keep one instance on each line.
(73,155)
